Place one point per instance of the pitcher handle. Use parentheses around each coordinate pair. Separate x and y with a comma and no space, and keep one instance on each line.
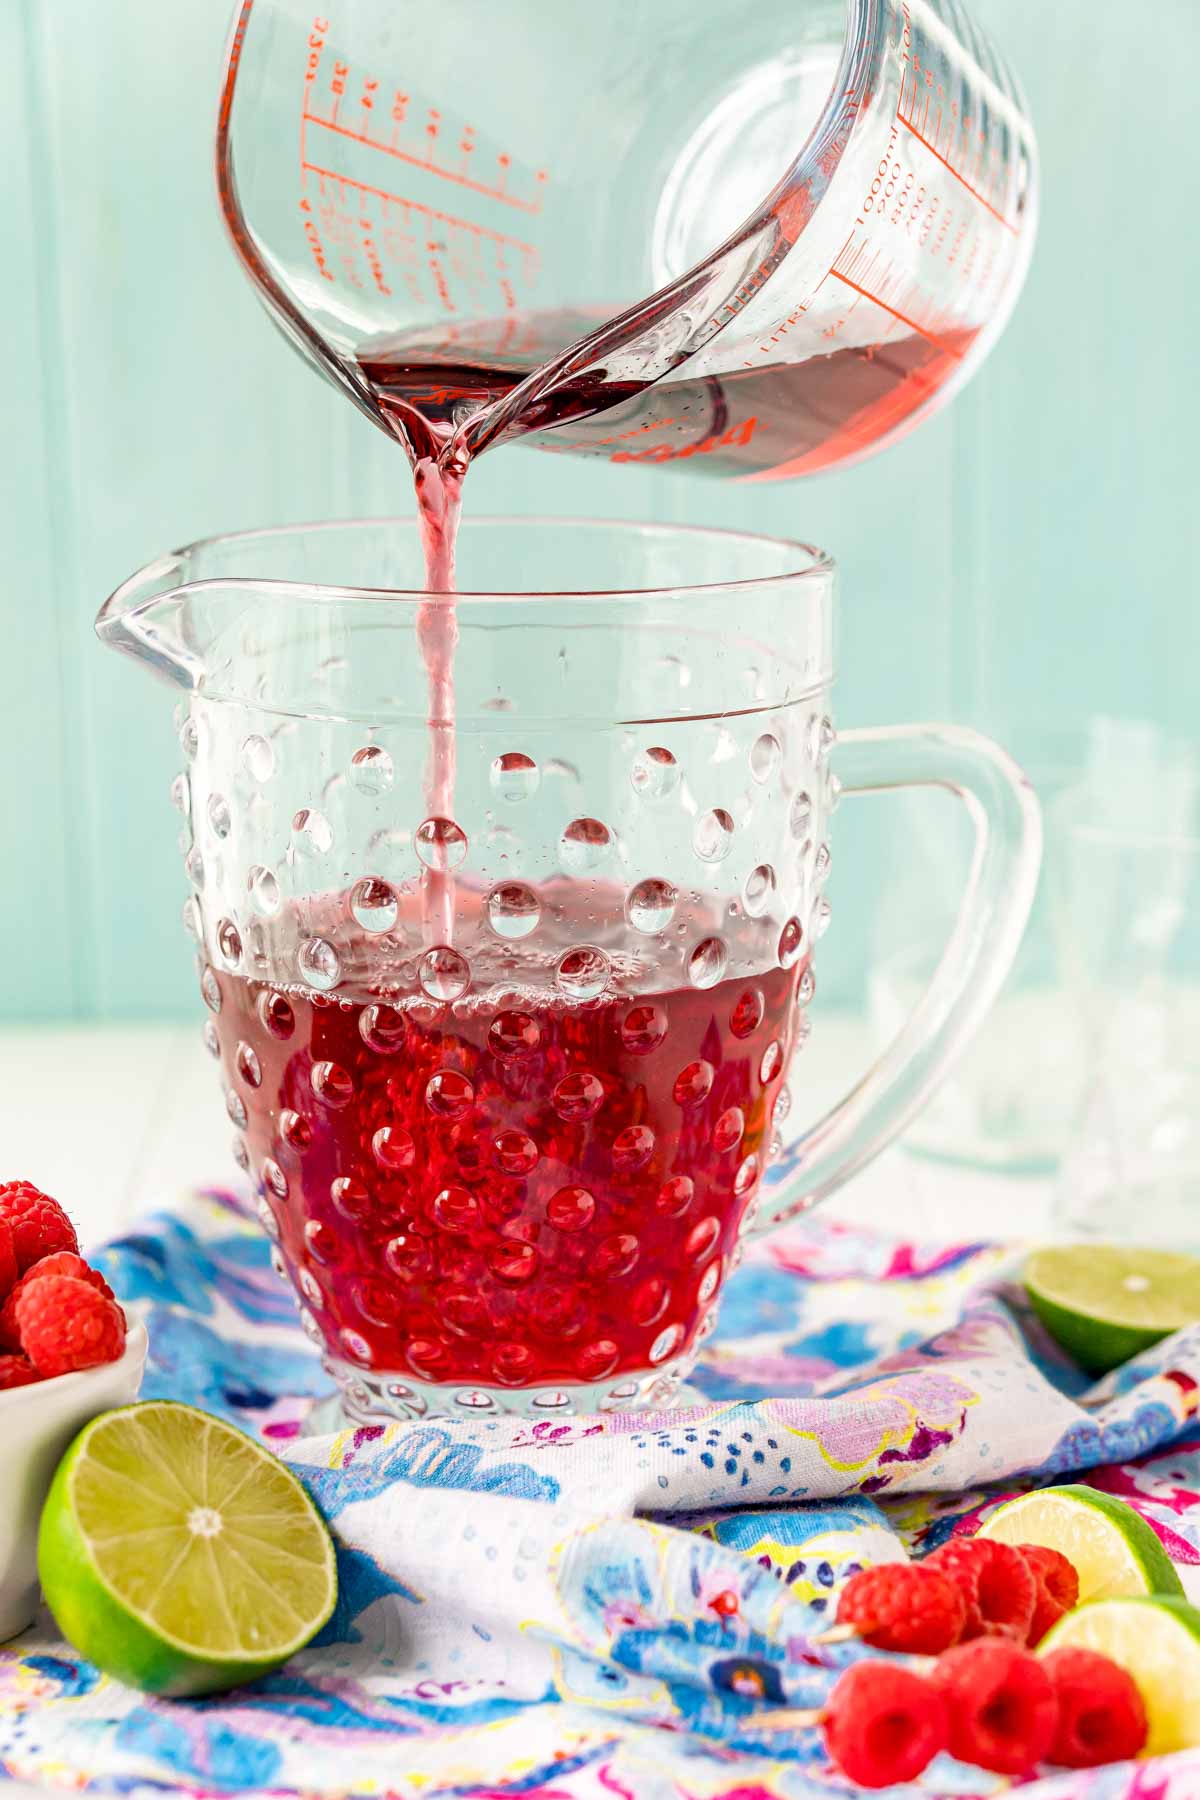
(987,933)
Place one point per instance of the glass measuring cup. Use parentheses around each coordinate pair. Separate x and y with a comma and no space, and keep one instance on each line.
(513,1171)
(758,252)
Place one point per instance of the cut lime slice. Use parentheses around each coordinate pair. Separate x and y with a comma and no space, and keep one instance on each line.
(180,1556)
(1113,1549)
(1158,1642)
(1104,1303)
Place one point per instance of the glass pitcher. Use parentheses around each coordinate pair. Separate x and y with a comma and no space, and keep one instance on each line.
(513,1085)
(757,245)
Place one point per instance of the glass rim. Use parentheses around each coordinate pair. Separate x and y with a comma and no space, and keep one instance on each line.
(817,564)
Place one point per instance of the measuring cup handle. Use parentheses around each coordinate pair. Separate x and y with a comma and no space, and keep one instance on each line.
(978,956)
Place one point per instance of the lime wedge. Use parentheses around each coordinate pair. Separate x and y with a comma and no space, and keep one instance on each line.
(1104,1303)
(1113,1549)
(1158,1642)
(180,1556)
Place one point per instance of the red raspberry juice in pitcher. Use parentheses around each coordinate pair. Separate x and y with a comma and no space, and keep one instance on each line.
(485,1167)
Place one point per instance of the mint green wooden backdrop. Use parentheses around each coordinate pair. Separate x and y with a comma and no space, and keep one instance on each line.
(1029,558)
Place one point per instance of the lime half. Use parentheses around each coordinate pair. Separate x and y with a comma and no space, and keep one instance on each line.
(180,1556)
(1113,1549)
(1104,1303)
(1158,1642)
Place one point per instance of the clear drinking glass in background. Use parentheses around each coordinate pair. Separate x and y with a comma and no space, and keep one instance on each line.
(1011,1106)
(1129,922)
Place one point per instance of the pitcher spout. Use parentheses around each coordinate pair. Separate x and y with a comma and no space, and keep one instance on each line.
(147,618)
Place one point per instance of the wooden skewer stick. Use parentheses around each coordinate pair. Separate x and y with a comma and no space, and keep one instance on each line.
(837,1634)
(785,1718)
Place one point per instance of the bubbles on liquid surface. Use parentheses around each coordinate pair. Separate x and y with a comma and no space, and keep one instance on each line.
(514,776)
(229,942)
(318,963)
(258,757)
(514,1263)
(275,1011)
(312,834)
(584,845)
(513,910)
(440,844)
(643,1028)
(712,839)
(800,815)
(263,890)
(654,774)
(444,973)
(650,906)
(758,890)
(706,964)
(790,940)
(582,973)
(578,1096)
(350,1197)
(766,753)
(373,904)
(371,770)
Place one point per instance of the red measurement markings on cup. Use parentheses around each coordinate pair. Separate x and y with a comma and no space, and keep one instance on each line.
(966,153)
(346,111)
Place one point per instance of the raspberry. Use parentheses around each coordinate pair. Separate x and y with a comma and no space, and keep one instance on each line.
(16,1371)
(65,1324)
(1056,1585)
(903,1606)
(8,1258)
(1001,1705)
(38,1224)
(1101,1717)
(883,1724)
(996,1583)
(62,1262)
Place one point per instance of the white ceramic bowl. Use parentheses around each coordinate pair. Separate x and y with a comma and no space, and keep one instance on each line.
(36,1425)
